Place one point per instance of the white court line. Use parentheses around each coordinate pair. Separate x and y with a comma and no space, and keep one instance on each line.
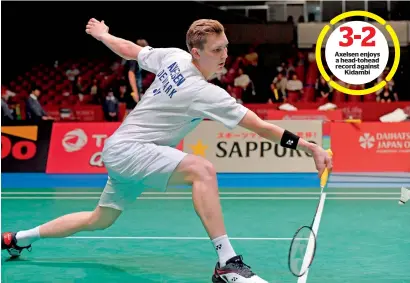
(189,198)
(226,193)
(177,238)
(309,249)
(165,198)
(364,198)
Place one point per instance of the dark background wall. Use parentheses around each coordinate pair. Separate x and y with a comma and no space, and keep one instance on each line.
(42,32)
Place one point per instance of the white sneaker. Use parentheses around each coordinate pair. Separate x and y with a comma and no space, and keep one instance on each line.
(405,195)
(235,271)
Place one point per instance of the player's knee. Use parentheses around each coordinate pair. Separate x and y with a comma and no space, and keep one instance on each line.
(209,169)
(102,220)
(100,224)
(204,170)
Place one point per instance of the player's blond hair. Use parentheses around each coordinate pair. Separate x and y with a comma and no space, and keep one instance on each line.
(199,30)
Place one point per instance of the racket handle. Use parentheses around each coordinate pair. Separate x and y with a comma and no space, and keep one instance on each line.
(325,174)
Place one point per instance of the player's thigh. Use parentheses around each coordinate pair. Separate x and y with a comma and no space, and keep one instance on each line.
(192,168)
(119,193)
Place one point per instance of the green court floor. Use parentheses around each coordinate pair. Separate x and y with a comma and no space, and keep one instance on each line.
(363,236)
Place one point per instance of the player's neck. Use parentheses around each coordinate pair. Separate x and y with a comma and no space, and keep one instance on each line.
(204,73)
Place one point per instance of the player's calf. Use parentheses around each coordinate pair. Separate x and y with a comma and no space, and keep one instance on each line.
(201,174)
(64,226)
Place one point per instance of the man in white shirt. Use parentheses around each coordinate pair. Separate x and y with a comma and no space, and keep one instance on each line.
(141,153)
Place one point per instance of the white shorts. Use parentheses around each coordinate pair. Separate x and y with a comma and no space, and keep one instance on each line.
(132,168)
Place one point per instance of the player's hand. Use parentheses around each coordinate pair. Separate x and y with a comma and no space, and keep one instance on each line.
(96,29)
(322,160)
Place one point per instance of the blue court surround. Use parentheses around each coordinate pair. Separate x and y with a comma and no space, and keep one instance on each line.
(225,180)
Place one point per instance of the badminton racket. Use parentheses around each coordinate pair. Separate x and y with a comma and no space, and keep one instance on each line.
(303,245)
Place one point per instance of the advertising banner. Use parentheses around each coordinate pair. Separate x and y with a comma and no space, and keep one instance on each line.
(76,147)
(240,150)
(24,146)
(371,147)
(307,114)
(365,111)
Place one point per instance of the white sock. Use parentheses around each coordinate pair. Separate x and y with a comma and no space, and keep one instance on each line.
(27,237)
(224,249)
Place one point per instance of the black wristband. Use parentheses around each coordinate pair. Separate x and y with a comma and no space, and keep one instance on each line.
(289,140)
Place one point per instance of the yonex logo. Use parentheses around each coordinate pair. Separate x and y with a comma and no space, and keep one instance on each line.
(366,141)
(74,140)
(289,142)
(218,247)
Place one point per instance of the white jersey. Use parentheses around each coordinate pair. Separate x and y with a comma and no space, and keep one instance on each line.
(176,102)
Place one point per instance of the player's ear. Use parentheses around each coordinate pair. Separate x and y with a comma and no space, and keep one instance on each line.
(195,53)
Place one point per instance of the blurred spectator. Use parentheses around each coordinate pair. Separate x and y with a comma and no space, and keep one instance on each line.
(312,54)
(322,90)
(245,83)
(387,95)
(252,57)
(124,96)
(290,69)
(95,92)
(72,73)
(111,109)
(282,68)
(279,83)
(390,84)
(242,80)
(80,87)
(6,114)
(134,74)
(294,88)
(34,110)
(300,61)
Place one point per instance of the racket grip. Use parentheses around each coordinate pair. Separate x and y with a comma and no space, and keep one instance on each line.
(325,174)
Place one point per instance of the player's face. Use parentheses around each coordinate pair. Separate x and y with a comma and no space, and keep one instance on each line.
(214,54)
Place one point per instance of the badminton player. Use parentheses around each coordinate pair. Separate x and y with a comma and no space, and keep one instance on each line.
(141,153)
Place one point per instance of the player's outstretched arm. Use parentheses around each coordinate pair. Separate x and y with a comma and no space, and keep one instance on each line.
(124,48)
(286,139)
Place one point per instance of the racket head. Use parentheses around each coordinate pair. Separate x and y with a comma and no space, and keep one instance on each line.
(303,245)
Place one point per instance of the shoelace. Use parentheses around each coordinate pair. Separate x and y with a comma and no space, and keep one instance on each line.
(244,268)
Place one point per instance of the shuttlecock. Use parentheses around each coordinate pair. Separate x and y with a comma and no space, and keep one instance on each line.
(405,195)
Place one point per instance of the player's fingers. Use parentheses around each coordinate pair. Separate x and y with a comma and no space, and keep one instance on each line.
(330,163)
(93,20)
(321,169)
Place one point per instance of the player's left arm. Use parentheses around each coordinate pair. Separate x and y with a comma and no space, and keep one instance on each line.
(274,133)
